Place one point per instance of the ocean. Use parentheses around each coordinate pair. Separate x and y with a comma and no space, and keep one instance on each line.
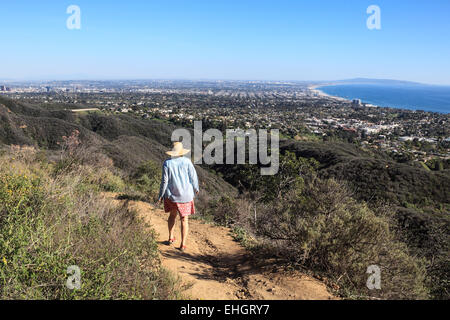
(403,96)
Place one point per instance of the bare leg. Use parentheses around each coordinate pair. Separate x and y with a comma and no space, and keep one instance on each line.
(171,223)
(184,230)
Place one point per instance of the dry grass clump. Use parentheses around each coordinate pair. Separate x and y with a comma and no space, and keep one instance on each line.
(326,230)
(52,219)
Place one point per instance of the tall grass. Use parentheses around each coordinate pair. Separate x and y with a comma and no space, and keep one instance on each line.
(52,219)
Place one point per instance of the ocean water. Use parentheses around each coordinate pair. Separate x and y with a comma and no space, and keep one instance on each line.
(404,96)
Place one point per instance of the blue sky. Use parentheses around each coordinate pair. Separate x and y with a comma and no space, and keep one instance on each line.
(215,39)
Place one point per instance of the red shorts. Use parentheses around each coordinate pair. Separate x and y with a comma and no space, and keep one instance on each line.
(184,209)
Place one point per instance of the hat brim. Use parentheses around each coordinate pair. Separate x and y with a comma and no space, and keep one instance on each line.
(178,153)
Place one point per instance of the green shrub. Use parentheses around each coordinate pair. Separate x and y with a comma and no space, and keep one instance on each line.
(325,229)
(242,236)
(48,224)
(104,179)
(147,179)
(222,210)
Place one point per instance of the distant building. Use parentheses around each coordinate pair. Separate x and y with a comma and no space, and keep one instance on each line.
(356,103)
(2,88)
(407,138)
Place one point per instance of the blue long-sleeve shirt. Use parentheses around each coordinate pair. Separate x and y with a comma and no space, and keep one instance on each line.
(179,180)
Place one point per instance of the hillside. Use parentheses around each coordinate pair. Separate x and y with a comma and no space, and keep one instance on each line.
(52,216)
(325,197)
(376,178)
(417,199)
(112,236)
(127,140)
(77,217)
(216,267)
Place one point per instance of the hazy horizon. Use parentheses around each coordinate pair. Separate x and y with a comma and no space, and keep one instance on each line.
(326,81)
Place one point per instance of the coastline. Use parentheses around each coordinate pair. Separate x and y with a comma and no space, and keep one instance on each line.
(316,89)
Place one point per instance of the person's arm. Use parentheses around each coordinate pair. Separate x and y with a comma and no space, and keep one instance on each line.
(193,177)
(164,182)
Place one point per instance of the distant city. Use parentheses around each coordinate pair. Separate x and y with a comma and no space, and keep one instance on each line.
(298,109)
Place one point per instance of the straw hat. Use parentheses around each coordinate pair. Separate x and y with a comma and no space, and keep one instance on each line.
(177,150)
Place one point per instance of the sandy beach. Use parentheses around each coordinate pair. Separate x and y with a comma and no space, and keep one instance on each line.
(315,89)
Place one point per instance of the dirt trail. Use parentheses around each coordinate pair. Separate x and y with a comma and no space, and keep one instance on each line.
(216,267)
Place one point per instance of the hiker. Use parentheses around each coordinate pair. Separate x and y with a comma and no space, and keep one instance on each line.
(179,182)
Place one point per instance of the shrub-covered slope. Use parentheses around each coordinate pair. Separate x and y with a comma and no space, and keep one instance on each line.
(128,140)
